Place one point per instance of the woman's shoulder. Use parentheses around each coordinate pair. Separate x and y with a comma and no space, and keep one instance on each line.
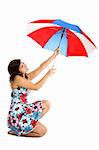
(13,83)
(18,80)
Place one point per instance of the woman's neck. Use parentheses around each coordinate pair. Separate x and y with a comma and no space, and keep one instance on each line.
(23,75)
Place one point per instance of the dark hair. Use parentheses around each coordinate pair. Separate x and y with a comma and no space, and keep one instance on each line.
(13,69)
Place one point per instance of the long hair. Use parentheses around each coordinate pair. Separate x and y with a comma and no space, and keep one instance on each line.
(13,69)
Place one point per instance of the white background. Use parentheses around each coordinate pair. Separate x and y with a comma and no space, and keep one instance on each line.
(73,120)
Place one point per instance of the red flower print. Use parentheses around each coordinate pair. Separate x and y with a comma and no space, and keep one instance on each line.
(23,98)
(36,102)
(33,122)
(19,116)
(24,121)
(28,111)
(17,108)
(9,121)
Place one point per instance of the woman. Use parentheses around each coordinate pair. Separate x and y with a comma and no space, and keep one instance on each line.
(23,117)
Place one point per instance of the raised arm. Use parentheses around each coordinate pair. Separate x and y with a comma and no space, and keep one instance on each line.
(42,66)
(22,82)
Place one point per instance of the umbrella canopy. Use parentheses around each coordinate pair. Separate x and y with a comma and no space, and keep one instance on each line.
(51,34)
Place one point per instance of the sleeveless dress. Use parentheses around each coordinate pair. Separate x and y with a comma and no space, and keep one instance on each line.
(22,116)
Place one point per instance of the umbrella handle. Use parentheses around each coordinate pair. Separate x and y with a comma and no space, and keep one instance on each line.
(54,59)
(53,65)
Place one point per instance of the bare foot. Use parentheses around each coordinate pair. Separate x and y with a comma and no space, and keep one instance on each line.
(11,132)
(39,131)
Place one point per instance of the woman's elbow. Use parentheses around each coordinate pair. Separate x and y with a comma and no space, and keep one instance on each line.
(36,87)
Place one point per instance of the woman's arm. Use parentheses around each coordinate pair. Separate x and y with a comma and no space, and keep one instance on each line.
(22,82)
(35,72)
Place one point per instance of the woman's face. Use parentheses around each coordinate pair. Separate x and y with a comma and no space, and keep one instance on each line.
(23,68)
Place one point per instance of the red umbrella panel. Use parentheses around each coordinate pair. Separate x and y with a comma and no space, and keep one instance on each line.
(51,34)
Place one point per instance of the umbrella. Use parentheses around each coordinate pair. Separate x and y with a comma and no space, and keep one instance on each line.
(51,34)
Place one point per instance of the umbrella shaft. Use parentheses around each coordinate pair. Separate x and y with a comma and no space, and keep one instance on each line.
(58,46)
(61,36)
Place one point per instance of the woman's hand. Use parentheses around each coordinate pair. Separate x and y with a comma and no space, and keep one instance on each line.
(50,72)
(57,51)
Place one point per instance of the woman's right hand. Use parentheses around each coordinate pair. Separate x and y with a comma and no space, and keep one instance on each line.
(57,51)
(50,72)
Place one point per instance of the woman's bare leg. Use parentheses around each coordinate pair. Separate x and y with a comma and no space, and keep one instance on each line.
(45,107)
(11,132)
(39,131)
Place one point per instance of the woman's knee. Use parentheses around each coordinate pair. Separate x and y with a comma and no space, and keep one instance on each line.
(46,104)
(43,132)
(41,129)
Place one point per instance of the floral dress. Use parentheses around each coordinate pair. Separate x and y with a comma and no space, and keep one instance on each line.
(23,117)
